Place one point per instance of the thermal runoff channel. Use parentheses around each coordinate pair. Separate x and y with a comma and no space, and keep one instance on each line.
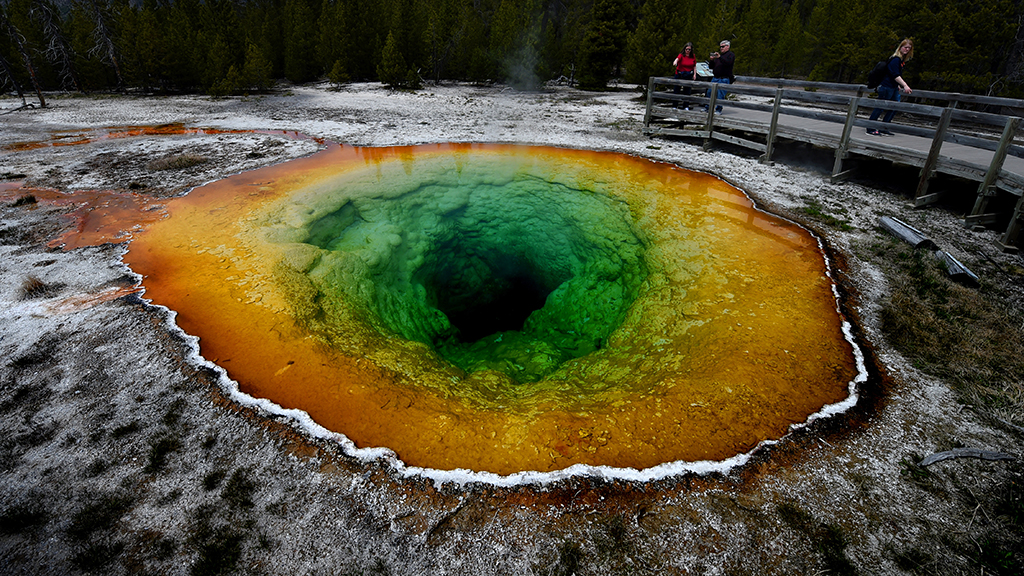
(506,308)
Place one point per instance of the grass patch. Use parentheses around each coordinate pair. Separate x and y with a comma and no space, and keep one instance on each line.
(22,518)
(965,336)
(212,480)
(568,563)
(96,555)
(828,539)
(177,162)
(239,489)
(99,515)
(33,287)
(160,447)
(125,429)
(817,211)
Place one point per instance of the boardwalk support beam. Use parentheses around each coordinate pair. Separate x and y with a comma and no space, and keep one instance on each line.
(922,197)
(987,188)
(766,158)
(844,141)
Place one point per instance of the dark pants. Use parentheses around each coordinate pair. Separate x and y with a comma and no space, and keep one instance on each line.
(886,93)
(684,76)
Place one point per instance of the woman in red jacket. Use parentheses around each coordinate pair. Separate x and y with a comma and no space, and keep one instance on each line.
(685,64)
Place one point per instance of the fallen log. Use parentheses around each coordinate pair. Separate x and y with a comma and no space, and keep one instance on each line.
(957,271)
(966,453)
(906,232)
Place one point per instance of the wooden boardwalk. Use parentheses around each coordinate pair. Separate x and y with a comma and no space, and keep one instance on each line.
(937,139)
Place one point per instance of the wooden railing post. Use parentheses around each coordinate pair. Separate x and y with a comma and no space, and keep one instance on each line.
(921,198)
(987,189)
(844,141)
(712,100)
(650,102)
(766,158)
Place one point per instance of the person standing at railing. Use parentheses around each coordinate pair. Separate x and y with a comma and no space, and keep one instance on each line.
(685,64)
(721,66)
(893,82)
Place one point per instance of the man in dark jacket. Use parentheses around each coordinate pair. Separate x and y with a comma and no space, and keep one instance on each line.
(721,65)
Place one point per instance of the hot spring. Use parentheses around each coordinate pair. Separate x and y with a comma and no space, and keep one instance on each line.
(506,308)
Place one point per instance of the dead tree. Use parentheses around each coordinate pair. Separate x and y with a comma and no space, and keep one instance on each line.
(8,75)
(58,48)
(19,43)
(105,45)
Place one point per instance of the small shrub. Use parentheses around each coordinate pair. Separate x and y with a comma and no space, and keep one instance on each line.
(22,518)
(160,447)
(126,429)
(239,489)
(33,287)
(99,515)
(212,480)
(96,555)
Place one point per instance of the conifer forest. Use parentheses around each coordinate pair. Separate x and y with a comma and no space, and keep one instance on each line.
(241,46)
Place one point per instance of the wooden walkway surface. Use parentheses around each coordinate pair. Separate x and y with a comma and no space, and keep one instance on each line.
(974,145)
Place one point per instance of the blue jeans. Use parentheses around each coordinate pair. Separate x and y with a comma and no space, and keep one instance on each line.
(721,93)
(886,93)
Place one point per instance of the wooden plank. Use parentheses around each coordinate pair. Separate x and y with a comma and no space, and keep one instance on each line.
(933,153)
(650,102)
(738,141)
(683,133)
(844,141)
(995,166)
(956,270)
(766,158)
(981,219)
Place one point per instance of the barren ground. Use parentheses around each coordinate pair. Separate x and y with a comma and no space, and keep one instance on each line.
(121,454)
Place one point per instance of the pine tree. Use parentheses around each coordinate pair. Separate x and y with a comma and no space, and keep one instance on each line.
(603,46)
(392,70)
(789,55)
(300,62)
(648,51)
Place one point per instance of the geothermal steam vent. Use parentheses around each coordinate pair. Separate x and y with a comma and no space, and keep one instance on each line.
(506,308)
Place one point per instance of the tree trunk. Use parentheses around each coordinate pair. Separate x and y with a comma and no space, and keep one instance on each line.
(19,43)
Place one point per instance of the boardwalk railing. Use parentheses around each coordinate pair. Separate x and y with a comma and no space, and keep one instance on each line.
(939,137)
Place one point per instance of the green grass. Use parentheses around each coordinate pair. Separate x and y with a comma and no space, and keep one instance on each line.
(817,211)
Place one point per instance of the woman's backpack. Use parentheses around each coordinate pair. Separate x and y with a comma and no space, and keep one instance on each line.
(878,73)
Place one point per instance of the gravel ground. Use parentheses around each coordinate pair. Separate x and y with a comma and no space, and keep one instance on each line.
(122,453)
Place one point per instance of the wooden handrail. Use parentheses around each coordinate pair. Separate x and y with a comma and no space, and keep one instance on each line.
(846,105)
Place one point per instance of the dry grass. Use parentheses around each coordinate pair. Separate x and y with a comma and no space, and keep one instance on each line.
(33,287)
(176,162)
(969,337)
